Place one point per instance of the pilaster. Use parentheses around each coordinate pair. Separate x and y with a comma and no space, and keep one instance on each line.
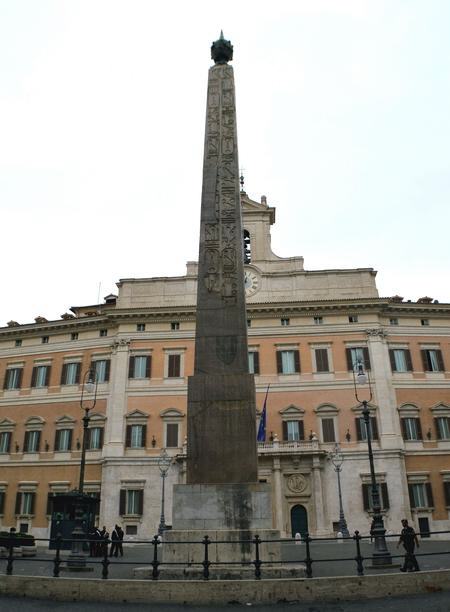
(117,400)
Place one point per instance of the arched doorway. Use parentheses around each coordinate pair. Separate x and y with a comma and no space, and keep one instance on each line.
(299,520)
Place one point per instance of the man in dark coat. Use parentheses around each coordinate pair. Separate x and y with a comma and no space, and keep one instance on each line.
(409,540)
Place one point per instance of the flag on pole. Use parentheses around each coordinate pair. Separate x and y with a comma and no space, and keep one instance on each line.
(261,437)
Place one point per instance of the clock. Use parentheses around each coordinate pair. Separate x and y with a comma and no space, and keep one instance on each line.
(251,282)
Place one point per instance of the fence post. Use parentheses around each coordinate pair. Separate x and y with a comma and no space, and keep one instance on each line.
(9,566)
(257,562)
(155,562)
(206,562)
(308,559)
(359,559)
(105,561)
(57,561)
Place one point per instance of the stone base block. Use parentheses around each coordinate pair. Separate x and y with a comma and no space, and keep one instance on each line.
(168,572)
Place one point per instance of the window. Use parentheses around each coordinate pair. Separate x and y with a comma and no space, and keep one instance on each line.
(357,354)
(130,529)
(393,321)
(25,502)
(44,339)
(253,362)
(442,428)
(2,502)
(172,435)
(131,501)
(13,378)
(288,362)
(32,441)
(102,368)
(361,430)
(94,438)
(74,336)
(40,376)
(318,320)
(424,321)
(63,440)
(18,342)
(411,428)
(321,355)
(367,496)
(70,374)
(136,436)
(174,366)
(446,492)
(140,366)
(285,322)
(174,325)
(103,333)
(328,434)
(432,360)
(353,318)
(140,327)
(249,322)
(293,430)
(400,360)
(5,441)
(420,495)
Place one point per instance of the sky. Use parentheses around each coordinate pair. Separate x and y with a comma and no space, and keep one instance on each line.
(343,123)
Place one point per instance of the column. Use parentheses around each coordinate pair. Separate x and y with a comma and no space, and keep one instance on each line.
(278,501)
(117,401)
(319,502)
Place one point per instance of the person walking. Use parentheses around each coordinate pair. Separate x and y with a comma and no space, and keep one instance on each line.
(409,540)
(120,540)
(114,543)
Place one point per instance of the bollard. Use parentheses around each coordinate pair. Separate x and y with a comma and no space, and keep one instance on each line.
(359,559)
(206,562)
(57,561)
(155,562)
(257,561)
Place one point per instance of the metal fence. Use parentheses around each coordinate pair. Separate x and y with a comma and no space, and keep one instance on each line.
(308,554)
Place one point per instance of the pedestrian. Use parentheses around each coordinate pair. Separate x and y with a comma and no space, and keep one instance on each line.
(114,543)
(372,527)
(92,541)
(298,538)
(120,540)
(104,535)
(409,540)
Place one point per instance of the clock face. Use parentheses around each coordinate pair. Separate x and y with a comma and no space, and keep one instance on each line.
(251,282)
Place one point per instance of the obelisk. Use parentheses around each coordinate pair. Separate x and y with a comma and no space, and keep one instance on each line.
(221,393)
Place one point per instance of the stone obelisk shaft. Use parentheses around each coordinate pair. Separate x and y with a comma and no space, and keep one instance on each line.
(221,394)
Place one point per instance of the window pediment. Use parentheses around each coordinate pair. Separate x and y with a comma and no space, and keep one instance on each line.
(7,425)
(326,409)
(172,413)
(411,410)
(438,410)
(137,417)
(34,421)
(64,420)
(291,412)
(97,418)
(358,408)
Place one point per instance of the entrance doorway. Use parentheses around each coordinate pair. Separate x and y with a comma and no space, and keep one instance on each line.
(299,520)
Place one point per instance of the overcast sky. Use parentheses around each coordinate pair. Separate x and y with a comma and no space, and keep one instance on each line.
(343,122)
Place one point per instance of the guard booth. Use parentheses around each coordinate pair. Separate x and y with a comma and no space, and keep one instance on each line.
(63,508)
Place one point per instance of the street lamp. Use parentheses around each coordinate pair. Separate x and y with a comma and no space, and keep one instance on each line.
(164,463)
(337,459)
(77,558)
(381,555)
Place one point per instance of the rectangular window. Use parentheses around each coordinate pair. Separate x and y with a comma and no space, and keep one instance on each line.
(136,436)
(253,362)
(140,327)
(102,369)
(321,355)
(172,435)
(318,320)
(63,440)
(432,360)
(140,366)
(293,430)
(249,322)
(103,333)
(424,321)
(285,322)
(356,355)
(328,434)
(70,374)
(442,428)
(447,493)
(74,336)
(13,378)
(27,503)
(400,360)
(40,376)
(130,529)
(32,441)
(95,438)
(361,430)
(367,496)
(174,325)
(18,342)
(393,321)
(44,339)
(420,495)
(5,441)
(2,502)
(411,428)
(174,366)
(353,319)
(288,362)
(131,502)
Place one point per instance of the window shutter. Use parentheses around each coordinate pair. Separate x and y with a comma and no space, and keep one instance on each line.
(358,428)
(38,442)
(144,436)
(322,360)
(63,374)
(77,373)
(384,496)
(297,360)
(102,431)
(256,362)
(5,380)
(33,502)
(429,495)
(107,369)
(8,441)
(47,375)
(447,493)
(25,441)
(366,358)
(374,427)
(18,502)
(19,382)
(57,438)
(2,502)
(408,360)
(122,502)
(348,353)
(419,429)
(33,377)
(285,430)
(148,367)
(301,430)
(140,502)
(279,363)
(403,426)
(426,367)
(131,368)
(440,361)
(412,503)
(328,430)
(172,435)
(70,440)
(392,360)
(365,494)
(49,504)
(128,437)
(438,429)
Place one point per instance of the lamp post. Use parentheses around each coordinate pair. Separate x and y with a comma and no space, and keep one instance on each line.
(77,558)
(164,463)
(381,555)
(337,459)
